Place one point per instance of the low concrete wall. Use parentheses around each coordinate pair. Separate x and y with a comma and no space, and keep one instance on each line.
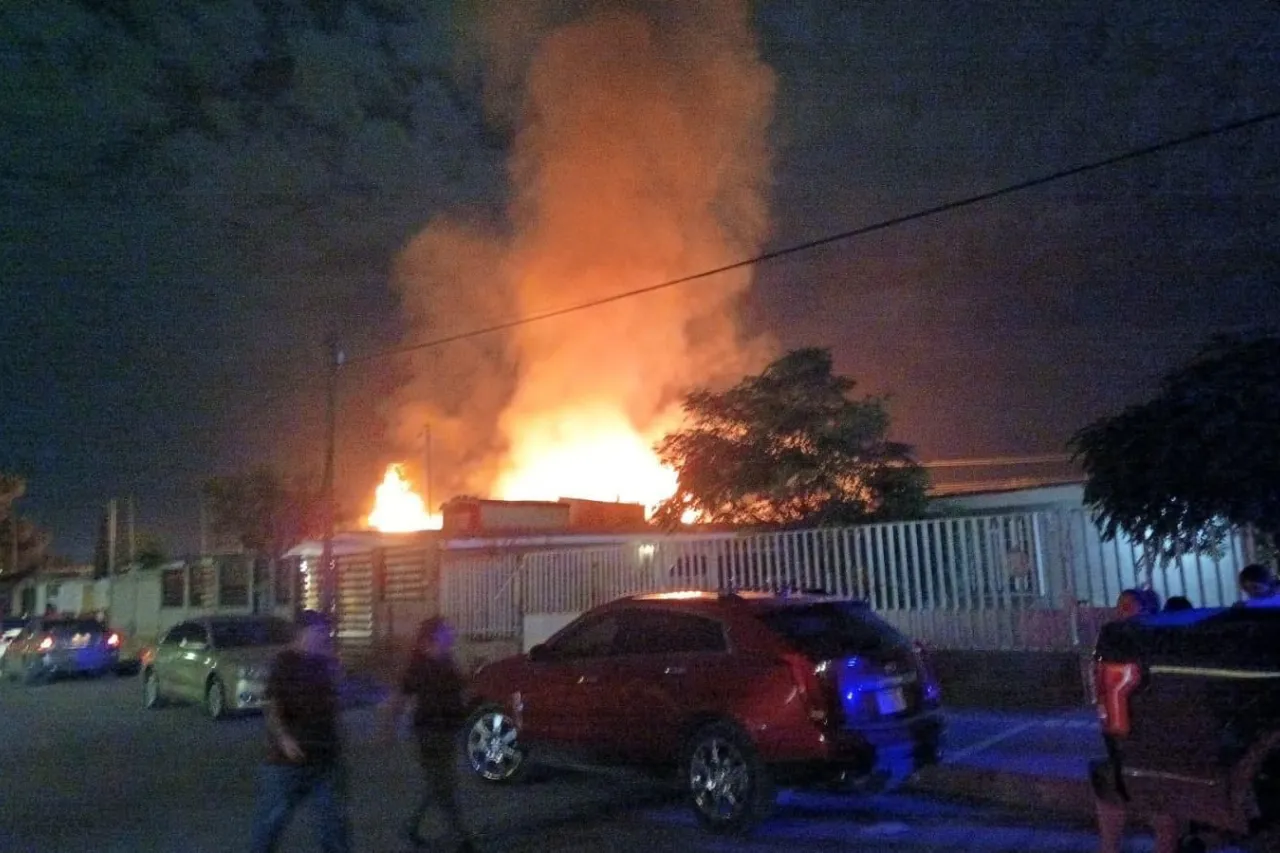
(1010,680)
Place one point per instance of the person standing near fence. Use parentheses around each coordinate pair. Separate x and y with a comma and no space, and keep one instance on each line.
(433,684)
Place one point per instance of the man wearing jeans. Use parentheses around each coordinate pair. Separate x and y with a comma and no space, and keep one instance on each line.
(303,749)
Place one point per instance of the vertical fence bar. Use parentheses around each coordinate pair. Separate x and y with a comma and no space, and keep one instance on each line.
(1226,598)
(816,560)
(845,577)
(875,568)
(893,547)
(836,561)
(788,568)
(813,570)
(891,589)
(969,578)
(1095,594)
(1115,548)
(1183,587)
(794,558)
(895,544)
(946,598)
(804,544)
(918,573)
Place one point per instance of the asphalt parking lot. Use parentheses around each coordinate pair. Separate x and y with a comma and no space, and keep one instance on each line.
(85,767)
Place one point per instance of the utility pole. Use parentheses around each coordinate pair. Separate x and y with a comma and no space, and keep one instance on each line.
(328,569)
(426,467)
(112,520)
(204,526)
(13,535)
(133,534)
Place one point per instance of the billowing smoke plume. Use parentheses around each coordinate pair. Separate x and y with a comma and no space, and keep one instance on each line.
(639,154)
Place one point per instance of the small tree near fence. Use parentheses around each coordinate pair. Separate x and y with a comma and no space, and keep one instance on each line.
(1181,471)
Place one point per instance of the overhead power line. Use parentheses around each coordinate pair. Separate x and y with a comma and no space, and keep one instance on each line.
(882,225)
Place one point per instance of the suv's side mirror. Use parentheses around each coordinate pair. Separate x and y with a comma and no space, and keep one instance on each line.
(540,653)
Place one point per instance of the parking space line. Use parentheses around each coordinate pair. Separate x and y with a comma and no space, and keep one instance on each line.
(959,754)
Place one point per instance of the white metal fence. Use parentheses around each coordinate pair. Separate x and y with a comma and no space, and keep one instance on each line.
(1030,580)
(379,592)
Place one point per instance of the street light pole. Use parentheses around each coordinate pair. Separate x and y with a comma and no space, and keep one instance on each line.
(426,473)
(328,570)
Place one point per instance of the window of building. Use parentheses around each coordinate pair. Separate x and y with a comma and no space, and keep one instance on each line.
(173,584)
(233,585)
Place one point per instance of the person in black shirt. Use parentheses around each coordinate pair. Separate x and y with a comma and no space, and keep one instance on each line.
(431,682)
(303,747)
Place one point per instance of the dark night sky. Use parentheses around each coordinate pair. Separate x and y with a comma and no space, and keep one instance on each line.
(193,193)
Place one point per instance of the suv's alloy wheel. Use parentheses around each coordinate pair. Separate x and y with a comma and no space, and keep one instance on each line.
(730,788)
(493,748)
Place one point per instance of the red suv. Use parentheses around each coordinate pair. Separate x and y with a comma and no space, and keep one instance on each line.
(742,691)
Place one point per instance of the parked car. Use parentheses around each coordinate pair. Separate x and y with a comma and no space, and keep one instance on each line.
(10,628)
(1190,710)
(221,662)
(740,691)
(48,646)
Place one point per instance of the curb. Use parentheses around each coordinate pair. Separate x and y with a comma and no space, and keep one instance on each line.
(1058,796)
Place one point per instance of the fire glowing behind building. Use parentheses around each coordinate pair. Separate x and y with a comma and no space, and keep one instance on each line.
(595,455)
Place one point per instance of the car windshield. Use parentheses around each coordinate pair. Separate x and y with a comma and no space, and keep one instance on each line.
(251,632)
(832,628)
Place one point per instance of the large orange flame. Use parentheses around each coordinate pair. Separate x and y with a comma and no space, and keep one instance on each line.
(592,453)
(397,508)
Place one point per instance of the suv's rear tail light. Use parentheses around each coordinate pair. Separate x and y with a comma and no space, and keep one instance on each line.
(809,679)
(46,643)
(1115,683)
(113,640)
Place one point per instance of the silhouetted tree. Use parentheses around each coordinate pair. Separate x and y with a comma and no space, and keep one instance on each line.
(262,511)
(788,447)
(1179,471)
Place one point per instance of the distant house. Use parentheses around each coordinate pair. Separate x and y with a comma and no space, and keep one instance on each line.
(69,589)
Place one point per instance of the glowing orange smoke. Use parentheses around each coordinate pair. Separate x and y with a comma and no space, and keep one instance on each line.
(591,452)
(397,508)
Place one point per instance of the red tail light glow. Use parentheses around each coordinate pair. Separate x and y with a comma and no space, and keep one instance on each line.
(1115,683)
(46,643)
(808,680)
(113,640)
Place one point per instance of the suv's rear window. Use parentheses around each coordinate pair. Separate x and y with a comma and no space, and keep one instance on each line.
(832,628)
(256,632)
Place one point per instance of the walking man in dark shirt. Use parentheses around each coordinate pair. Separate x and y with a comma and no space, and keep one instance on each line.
(433,684)
(303,748)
